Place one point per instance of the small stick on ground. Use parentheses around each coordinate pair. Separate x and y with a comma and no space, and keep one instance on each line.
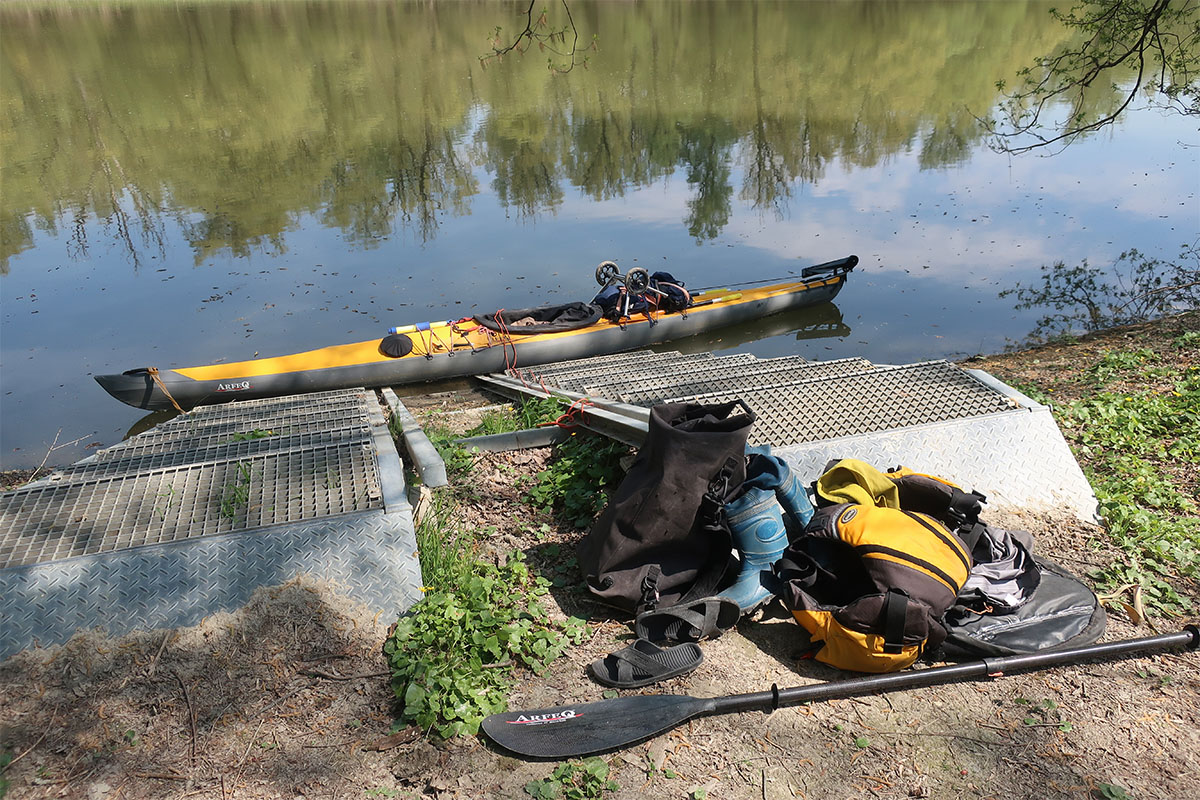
(187,699)
(160,776)
(337,676)
(31,747)
(154,661)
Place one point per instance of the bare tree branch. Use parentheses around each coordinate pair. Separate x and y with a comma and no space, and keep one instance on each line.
(538,31)
(1151,45)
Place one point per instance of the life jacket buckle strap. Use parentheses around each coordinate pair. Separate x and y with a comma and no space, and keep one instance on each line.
(894,614)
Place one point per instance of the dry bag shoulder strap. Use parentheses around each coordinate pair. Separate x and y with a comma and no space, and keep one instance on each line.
(649,588)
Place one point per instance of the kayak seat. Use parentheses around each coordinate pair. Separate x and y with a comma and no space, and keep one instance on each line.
(543,319)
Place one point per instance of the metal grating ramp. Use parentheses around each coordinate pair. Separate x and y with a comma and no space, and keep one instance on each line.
(577,378)
(1018,458)
(645,375)
(224,448)
(933,416)
(193,515)
(320,413)
(737,377)
(881,399)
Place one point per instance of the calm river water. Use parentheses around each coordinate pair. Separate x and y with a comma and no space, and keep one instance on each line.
(188,184)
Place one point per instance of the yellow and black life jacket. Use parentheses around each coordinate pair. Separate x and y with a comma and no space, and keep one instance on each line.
(871,583)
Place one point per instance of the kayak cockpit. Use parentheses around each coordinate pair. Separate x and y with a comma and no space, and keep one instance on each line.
(543,319)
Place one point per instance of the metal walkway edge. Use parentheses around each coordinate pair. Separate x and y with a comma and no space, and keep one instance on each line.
(192,516)
(933,416)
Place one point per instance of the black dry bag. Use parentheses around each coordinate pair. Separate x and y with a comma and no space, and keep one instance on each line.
(663,537)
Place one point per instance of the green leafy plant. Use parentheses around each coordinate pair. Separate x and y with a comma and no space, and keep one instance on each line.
(1042,714)
(1127,443)
(537,411)
(576,480)
(166,499)
(1111,791)
(382,791)
(493,422)
(574,780)
(6,758)
(456,458)
(652,769)
(447,553)
(560,569)
(527,414)
(257,433)
(452,655)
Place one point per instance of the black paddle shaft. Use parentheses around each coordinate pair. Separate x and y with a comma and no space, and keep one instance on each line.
(582,729)
(1188,638)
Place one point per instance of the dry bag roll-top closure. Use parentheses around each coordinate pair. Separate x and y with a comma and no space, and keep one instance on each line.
(879,565)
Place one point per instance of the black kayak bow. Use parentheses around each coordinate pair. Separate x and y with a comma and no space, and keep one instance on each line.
(583,729)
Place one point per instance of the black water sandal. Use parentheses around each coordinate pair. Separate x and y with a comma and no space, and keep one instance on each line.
(643,663)
(690,622)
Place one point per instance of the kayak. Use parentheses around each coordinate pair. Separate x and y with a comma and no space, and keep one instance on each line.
(507,339)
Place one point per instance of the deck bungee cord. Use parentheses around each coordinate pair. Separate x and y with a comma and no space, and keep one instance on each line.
(839,265)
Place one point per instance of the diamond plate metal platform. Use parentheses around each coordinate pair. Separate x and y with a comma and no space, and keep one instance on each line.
(735,376)
(577,377)
(933,416)
(862,402)
(192,516)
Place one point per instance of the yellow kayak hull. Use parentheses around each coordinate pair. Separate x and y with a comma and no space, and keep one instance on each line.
(444,350)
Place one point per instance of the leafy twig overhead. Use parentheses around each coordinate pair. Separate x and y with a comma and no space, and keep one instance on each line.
(538,31)
(1122,48)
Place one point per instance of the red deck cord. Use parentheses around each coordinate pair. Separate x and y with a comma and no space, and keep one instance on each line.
(510,364)
(573,417)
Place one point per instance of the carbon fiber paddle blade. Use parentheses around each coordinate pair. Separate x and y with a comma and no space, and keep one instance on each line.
(587,728)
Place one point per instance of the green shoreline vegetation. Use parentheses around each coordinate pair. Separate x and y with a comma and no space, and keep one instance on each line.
(454,654)
(1132,418)
(1130,441)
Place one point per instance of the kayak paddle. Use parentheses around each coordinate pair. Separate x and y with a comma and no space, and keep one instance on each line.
(582,729)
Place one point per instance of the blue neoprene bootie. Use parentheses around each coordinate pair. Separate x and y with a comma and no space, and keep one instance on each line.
(759,535)
(757,521)
(797,508)
(766,471)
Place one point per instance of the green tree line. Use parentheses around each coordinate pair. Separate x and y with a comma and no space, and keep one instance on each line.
(234,120)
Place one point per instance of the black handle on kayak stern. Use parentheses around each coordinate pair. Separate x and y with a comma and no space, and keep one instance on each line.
(841,265)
